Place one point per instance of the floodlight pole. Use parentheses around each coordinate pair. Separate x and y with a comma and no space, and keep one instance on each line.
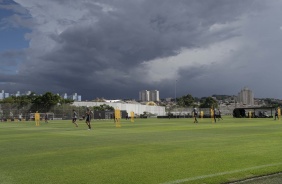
(175,92)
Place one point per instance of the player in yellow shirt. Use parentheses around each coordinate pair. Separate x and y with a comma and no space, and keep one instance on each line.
(37,118)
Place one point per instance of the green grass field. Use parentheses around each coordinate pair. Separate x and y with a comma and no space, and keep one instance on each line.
(146,151)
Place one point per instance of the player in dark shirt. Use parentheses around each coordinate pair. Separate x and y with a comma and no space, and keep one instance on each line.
(214,114)
(46,118)
(219,115)
(276,114)
(88,118)
(195,113)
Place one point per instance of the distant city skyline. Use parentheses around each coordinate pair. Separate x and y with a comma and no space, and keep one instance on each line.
(244,96)
(74,96)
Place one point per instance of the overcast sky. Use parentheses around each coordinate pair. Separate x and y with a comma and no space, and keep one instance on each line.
(116,48)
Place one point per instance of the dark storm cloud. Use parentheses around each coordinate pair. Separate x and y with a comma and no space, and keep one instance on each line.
(10,60)
(102,49)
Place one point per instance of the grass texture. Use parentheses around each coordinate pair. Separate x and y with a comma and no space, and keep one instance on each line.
(148,151)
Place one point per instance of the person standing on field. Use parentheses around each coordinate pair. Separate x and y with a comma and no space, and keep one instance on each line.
(219,115)
(37,118)
(276,114)
(214,114)
(195,114)
(88,118)
(20,117)
(46,118)
(74,118)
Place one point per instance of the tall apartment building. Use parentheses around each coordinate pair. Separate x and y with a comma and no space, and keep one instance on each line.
(145,95)
(4,95)
(246,97)
(154,95)
(74,97)
(18,94)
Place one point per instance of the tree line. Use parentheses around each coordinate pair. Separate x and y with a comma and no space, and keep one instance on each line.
(33,102)
(47,101)
(189,101)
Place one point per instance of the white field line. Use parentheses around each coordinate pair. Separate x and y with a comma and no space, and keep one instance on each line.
(220,174)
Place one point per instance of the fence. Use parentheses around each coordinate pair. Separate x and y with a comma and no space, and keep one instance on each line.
(187,112)
(14,111)
(65,111)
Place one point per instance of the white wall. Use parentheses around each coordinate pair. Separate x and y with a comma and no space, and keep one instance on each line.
(136,108)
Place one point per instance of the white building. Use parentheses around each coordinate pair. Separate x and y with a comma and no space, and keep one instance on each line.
(64,96)
(144,96)
(246,97)
(18,94)
(27,92)
(136,108)
(152,95)
(74,97)
(4,95)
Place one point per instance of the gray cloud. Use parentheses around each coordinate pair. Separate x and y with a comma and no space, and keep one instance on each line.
(113,49)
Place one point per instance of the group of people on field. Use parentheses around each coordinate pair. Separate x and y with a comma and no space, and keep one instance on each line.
(87,118)
(74,118)
(89,113)
(215,115)
(218,115)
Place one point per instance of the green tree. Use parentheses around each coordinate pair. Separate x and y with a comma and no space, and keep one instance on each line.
(45,102)
(23,101)
(8,100)
(65,101)
(186,101)
(103,107)
(16,102)
(208,103)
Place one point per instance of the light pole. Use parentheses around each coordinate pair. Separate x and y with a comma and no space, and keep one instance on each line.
(175,92)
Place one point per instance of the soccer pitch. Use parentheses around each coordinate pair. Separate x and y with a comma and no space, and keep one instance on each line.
(146,151)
